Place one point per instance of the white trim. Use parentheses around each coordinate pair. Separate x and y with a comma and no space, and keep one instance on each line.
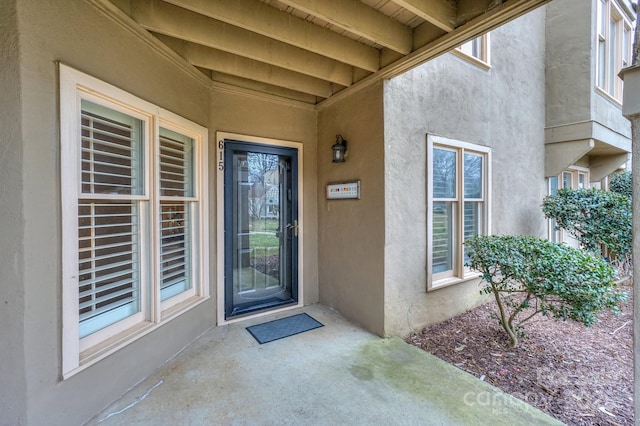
(612,11)
(459,273)
(221,136)
(78,354)
(484,61)
(69,170)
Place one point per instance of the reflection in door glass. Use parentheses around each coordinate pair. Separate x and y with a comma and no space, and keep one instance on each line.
(261,229)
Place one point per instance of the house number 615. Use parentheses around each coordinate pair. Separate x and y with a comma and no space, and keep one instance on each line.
(221,154)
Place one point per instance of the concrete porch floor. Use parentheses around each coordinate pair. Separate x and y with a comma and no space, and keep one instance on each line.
(334,375)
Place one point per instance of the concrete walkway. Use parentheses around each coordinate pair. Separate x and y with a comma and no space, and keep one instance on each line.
(334,375)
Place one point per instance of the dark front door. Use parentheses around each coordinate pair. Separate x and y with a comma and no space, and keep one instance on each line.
(261,227)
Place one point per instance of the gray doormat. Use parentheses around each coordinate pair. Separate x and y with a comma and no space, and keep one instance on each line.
(284,327)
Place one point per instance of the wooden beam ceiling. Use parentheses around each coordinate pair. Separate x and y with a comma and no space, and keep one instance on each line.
(359,19)
(308,50)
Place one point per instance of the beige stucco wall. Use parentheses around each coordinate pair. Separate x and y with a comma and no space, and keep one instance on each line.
(74,33)
(351,232)
(570,56)
(12,374)
(502,108)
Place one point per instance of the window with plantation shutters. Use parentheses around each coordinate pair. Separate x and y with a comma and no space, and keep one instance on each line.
(132,217)
(176,206)
(457,195)
(108,219)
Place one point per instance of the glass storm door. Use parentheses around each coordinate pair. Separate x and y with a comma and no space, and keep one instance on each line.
(261,227)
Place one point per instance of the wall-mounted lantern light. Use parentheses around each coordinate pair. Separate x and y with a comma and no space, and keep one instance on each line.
(339,149)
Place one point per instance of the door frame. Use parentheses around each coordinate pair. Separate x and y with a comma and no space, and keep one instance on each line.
(220,212)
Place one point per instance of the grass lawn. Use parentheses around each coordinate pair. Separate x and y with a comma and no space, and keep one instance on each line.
(264,225)
(258,241)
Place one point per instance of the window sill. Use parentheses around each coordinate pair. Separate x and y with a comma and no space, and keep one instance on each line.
(104,349)
(472,59)
(448,282)
(609,97)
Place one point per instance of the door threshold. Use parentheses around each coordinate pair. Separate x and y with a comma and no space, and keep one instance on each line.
(259,314)
(264,307)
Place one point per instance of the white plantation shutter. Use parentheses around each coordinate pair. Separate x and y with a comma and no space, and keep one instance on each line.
(109,229)
(111,151)
(176,207)
(108,263)
(443,233)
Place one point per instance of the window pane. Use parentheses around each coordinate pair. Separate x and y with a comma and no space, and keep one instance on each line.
(111,151)
(602,64)
(553,185)
(444,173)
(176,164)
(626,42)
(473,172)
(611,60)
(601,16)
(175,248)
(474,48)
(476,45)
(443,236)
(109,264)
(567,179)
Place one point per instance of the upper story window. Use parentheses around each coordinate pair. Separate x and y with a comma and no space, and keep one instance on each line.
(458,205)
(614,40)
(476,51)
(134,249)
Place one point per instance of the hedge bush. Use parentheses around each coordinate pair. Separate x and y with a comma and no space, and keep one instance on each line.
(594,217)
(621,183)
(530,276)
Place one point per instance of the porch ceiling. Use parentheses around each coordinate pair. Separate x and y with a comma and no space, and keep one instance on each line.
(311,50)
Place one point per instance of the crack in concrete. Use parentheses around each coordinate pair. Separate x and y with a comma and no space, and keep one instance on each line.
(135,402)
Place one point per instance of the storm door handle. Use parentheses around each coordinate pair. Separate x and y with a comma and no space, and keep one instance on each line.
(294,227)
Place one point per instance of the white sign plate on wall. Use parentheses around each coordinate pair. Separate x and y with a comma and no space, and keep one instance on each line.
(343,191)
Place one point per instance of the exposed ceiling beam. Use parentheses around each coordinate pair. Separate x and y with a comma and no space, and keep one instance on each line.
(164,18)
(263,19)
(230,82)
(469,9)
(228,63)
(493,18)
(438,12)
(360,19)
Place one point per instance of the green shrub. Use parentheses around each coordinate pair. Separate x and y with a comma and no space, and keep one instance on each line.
(530,276)
(621,183)
(593,217)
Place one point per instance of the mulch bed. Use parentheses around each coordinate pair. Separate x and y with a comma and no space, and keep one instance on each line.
(579,375)
(268,265)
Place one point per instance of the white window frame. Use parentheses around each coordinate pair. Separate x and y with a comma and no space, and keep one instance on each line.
(460,273)
(79,353)
(609,63)
(574,175)
(483,58)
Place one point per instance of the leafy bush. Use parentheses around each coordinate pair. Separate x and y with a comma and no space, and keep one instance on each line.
(593,217)
(621,183)
(529,275)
